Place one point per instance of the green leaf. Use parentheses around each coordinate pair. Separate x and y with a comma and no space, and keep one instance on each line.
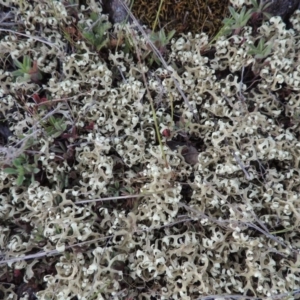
(23,68)
(94,16)
(56,134)
(237,20)
(100,43)
(36,170)
(95,34)
(18,64)
(171,34)
(27,169)
(58,125)
(232,11)
(260,51)
(162,35)
(89,36)
(17,73)
(20,179)
(51,120)
(27,63)
(18,162)
(11,171)
(261,6)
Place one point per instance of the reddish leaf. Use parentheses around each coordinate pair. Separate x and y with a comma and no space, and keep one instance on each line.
(34,68)
(38,100)
(44,99)
(35,74)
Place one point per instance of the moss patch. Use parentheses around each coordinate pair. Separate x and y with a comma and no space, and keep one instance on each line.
(183,15)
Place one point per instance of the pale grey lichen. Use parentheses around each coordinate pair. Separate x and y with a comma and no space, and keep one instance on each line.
(171,241)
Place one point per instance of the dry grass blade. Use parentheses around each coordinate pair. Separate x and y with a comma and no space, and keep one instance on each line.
(118,198)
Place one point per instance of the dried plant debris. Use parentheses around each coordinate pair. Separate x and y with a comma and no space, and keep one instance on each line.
(97,202)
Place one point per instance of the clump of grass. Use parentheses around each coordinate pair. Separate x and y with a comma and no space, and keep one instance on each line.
(237,20)
(55,126)
(27,70)
(160,39)
(96,34)
(23,169)
(261,51)
(258,11)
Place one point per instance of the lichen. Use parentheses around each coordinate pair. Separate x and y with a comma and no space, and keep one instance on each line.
(111,213)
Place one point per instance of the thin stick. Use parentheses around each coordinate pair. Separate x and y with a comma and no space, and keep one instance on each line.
(112,198)
(31,37)
(48,253)
(157,14)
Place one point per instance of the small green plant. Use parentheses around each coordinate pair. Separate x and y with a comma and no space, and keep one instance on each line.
(260,51)
(55,126)
(259,13)
(28,70)
(259,10)
(237,20)
(38,235)
(23,169)
(96,34)
(160,39)
(116,190)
